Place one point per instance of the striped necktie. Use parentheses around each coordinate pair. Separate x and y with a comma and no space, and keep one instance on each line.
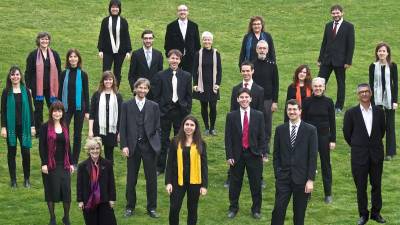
(293,135)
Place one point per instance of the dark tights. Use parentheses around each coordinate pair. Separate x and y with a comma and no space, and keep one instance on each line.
(213,114)
(66,206)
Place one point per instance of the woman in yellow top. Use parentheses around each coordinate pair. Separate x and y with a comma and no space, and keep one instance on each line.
(186,170)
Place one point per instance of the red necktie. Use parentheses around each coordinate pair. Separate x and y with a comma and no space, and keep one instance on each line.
(245,131)
(245,85)
(334,30)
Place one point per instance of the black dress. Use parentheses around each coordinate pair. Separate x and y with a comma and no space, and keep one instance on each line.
(57,184)
(207,69)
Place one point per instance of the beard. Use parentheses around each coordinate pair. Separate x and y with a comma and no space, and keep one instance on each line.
(261,57)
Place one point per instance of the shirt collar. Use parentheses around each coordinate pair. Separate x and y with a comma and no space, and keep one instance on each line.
(339,22)
(137,100)
(145,49)
(297,123)
(250,82)
(244,110)
(363,109)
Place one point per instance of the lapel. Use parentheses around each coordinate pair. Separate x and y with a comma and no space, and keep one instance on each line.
(153,56)
(286,135)
(252,122)
(179,30)
(300,134)
(89,167)
(238,122)
(361,120)
(146,110)
(142,58)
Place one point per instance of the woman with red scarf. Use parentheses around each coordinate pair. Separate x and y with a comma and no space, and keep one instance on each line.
(55,155)
(95,186)
(300,88)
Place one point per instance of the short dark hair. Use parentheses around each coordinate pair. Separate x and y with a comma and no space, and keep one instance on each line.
(147,32)
(293,102)
(243,90)
(361,85)
(247,63)
(57,105)
(174,52)
(70,51)
(337,7)
(42,35)
(117,3)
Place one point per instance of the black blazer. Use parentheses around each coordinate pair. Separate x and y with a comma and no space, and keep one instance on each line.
(106,181)
(162,90)
(174,39)
(139,67)
(339,50)
(128,127)
(297,164)
(104,43)
(394,87)
(43,147)
(233,134)
(364,147)
(171,173)
(30,71)
(257,97)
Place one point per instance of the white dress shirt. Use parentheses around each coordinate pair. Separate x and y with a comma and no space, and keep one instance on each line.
(367,116)
(250,84)
(140,103)
(183,27)
(148,54)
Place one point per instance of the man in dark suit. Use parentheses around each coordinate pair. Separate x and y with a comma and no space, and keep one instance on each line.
(295,162)
(257,96)
(244,147)
(363,129)
(183,34)
(172,90)
(145,61)
(336,52)
(140,139)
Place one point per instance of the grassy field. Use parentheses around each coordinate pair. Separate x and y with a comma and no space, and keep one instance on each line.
(296,27)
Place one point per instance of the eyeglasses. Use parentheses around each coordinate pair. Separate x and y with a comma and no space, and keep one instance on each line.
(95,148)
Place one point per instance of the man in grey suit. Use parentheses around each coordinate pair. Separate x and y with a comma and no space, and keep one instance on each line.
(140,139)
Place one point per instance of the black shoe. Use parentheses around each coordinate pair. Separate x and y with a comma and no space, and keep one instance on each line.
(231,214)
(363,220)
(378,218)
(256,215)
(27,184)
(66,221)
(226,184)
(328,199)
(153,214)
(13,184)
(52,221)
(128,212)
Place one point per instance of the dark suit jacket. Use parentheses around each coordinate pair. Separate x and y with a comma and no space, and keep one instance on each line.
(171,173)
(394,87)
(128,127)
(162,90)
(339,50)
(257,97)
(233,134)
(106,181)
(174,39)
(364,147)
(297,164)
(104,43)
(139,67)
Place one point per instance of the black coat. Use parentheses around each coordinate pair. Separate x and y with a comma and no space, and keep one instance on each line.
(257,97)
(339,50)
(394,87)
(364,147)
(106,181)
(104,43)
(43,146)
(297,164)
(233,134)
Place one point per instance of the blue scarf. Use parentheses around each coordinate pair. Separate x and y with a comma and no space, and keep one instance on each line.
(249,43)
(78,90)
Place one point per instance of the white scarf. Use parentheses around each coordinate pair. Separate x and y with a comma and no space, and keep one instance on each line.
(114,45)
(112,113)
(385,98)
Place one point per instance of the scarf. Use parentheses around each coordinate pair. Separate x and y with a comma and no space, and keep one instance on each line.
(78,90)
(200,86)
(40,75)
(51,146)
(382,91)
(249,43)
(94,197)
(195,165)
(298,92)
(26,119)
(114,43)
(112,114)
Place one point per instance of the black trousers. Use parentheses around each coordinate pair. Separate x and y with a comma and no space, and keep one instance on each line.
(26,157)
(118,60)
(340,73)
(38,113)
(172,119)
(268,121)
(176,199)
(360,176)
(325,158)
(79,116)
(212,116)
(143,152)
(253,166)
(390,132)
(102,215)
(283,192)
(109,152)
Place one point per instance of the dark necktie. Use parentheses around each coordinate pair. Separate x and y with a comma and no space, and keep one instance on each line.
(334,30)
(293,135)
(245,131)
(246,85)
(383,80)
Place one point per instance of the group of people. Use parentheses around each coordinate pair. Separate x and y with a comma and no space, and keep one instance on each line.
(163,100)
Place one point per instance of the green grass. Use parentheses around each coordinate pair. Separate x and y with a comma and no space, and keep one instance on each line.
(296,27)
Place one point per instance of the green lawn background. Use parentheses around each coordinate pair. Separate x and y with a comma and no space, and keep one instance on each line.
(296,27)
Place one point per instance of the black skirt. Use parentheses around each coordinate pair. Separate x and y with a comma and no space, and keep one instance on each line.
(57,184)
